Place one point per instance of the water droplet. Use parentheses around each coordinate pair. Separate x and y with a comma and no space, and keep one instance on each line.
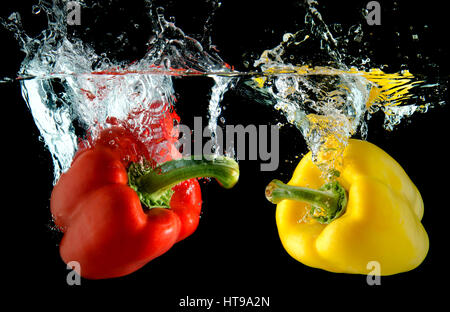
(356,32)
(166,63)
(14,17)
(365,61)
(222,120)
(364,12)
(160,11)
(287,36)
(354,29)
(36,9)
(337,28)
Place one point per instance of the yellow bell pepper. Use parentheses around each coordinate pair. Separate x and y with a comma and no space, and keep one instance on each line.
(371,212)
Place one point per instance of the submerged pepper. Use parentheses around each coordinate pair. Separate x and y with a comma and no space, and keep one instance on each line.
(117,214)
(372,212)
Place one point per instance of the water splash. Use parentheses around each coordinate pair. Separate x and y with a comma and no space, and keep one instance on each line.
(328,95)
(72,91)
(221,85)
(325,95)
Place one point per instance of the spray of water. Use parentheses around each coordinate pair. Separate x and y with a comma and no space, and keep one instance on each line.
(324,96)
(72,91)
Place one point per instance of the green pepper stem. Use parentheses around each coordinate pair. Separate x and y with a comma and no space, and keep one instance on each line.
(277,191)
(224,169)
(331,198)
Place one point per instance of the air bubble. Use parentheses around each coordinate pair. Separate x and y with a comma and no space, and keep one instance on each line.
(36,9)
(160,11)
(337,28)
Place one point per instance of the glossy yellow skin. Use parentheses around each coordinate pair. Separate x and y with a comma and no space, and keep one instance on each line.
(381,222)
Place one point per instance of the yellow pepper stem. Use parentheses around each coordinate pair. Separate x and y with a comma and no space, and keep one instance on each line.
(327,203)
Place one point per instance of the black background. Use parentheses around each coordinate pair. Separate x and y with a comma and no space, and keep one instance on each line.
(236,250)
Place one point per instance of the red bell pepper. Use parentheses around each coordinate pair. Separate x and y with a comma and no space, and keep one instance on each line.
(119,210)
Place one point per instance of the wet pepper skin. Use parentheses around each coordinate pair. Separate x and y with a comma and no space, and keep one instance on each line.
(381,222)
(105,226)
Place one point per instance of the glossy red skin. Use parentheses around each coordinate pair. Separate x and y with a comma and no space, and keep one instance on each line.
(105,226)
